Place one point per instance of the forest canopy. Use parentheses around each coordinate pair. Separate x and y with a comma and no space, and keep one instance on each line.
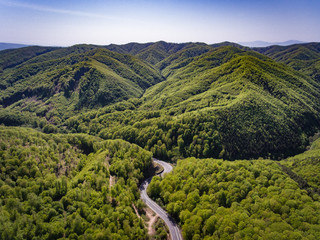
(79,126)
(57,186)
(216,199)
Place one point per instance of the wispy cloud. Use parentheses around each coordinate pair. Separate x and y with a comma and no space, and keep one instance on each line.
(43,8)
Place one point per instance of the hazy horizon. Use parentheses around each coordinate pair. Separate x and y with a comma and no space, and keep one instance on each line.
(65,23)
(283,43)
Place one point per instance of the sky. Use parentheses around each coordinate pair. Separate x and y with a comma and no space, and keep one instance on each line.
(101,22)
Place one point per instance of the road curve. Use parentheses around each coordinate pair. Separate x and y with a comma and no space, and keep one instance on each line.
(166,166)
(173,228)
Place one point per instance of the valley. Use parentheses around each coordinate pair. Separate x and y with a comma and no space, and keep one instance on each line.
(239,125)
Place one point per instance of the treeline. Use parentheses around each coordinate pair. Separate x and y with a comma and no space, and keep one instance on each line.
(57,186)
(216,199)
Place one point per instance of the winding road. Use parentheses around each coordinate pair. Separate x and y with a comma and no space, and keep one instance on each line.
(173,228)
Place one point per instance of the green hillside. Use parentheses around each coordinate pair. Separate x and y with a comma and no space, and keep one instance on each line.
(248,95)
(153,53)
(222,68)
(302,57)
(216,199)
(182,58)
(57,186)
(13,57)
(66,80)
(225,102)
(88,120)
(176,100)
(226,43)
(307,166)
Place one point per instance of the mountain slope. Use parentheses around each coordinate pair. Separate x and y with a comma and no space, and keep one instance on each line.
(302,57)
(223,102)
(229,70)
(307,165)
(260,106)
(82,76)
(198,101)
(226,43)
(57,186)
(182,58)
(13,57)
(152,53)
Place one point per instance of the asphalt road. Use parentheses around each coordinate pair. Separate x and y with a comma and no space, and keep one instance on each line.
(173,228)
(166,166)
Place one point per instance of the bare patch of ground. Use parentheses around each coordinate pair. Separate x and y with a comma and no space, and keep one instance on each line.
(152,218)
(112,181)
(136,210)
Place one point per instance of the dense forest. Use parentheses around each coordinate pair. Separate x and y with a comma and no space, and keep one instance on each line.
(176,100)
(216,199)
(79,127)
(57,186)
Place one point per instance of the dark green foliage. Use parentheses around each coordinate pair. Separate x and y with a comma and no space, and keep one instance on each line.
(165,136)
(161,230)
(13,57)
(215,199)
(176,101)
(57,186)
(226,103)
(152,53)
(216,101)
(226,43)
(302,57)
(246,94)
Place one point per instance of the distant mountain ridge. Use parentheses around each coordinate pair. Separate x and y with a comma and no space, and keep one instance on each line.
(266,44)
(4,46)
(152,53)
(304,57)
(135,48)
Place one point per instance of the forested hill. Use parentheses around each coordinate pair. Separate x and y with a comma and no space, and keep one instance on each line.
(302,57)
(177,100)
(57,186)
(246,94)
(82,76)
(88,119)
(153,53)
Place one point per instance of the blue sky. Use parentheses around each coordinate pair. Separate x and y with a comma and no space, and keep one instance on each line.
(68,22)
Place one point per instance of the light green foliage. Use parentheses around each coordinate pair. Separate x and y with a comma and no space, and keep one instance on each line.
(57,186)
(176,101)
(216,199)
(307,164)
(79,77)
(249,95)
(226,102)
(216,101)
